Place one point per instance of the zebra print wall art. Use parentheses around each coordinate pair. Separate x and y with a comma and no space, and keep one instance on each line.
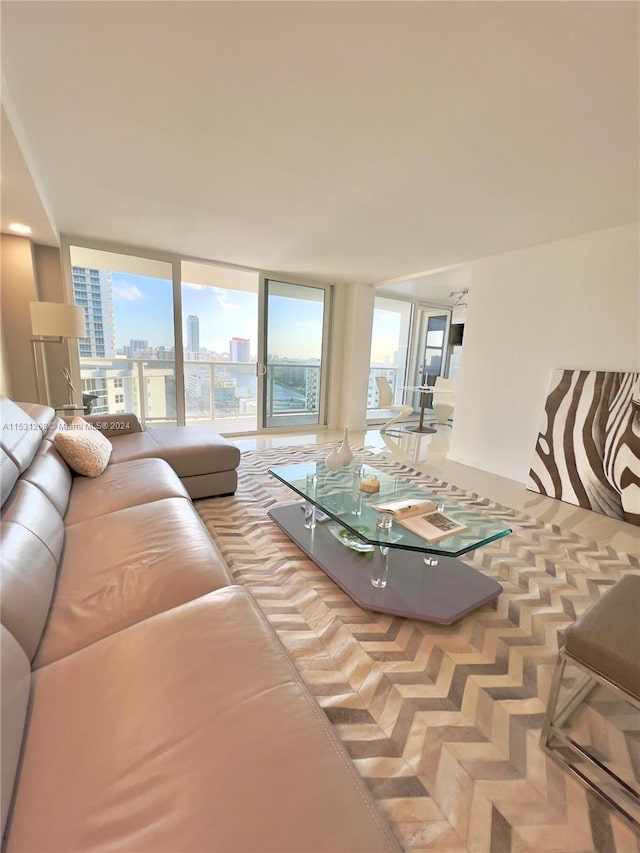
(588,451)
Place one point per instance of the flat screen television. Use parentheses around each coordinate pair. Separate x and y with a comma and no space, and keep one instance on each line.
(456,333)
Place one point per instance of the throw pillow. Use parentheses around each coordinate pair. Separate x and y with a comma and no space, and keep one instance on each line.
(85,450)
(80,423)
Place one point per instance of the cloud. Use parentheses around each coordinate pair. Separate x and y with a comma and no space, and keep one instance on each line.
(128,292)
(220,294)
(222,297)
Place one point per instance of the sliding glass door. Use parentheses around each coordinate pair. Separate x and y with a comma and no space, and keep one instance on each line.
(293,364)
(430,352)
(223,310)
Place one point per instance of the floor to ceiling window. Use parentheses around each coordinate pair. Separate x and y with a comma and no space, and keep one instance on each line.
(179,341)
(220,321)
(127,360)
(390,336)
(295,341)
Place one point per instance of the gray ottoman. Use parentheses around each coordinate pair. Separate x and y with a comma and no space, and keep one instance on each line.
(603,648)
(205,461)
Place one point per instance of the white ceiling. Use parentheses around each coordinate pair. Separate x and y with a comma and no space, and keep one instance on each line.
(21,201)
(338,141)
(436,286)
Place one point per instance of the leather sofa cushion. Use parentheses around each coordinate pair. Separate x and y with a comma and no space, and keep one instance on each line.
(196,450)
(120,568)
(51,474)
(14,693)
(9,472)
(205,485)
(32,538)
(111,425)
(190,731)
(21,435)
(136,445)
(55,426)
(42,415)
(190,451)
(123,485)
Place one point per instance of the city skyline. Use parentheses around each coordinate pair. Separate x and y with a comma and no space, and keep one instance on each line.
(143,309)
(132,316)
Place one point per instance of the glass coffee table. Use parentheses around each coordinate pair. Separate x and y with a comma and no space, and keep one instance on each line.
(380,564)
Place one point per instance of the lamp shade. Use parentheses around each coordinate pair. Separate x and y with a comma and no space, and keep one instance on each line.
(57,320)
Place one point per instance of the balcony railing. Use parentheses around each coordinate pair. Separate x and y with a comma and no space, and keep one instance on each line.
(144,386)
(214,390)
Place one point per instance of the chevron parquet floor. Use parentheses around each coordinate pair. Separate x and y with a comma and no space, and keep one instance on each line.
(443,722)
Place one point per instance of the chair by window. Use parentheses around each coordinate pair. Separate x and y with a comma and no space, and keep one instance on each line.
(444,398)
(385,401)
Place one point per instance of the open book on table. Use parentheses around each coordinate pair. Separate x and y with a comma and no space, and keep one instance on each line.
(422,518)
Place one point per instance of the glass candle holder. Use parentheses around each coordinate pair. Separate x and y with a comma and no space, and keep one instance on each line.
(309,506)
(380,572)
(356,494)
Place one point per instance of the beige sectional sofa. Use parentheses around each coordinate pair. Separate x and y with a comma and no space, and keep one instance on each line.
(205,461)
(147,705)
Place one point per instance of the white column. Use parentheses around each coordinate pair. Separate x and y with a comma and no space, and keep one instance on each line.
(351,348)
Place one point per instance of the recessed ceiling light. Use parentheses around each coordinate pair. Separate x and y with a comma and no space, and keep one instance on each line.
(19,228)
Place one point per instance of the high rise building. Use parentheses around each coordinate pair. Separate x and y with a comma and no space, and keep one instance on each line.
(312,389)
(137,348)
(239,349)
(165,353)
(92,291)
(193,335)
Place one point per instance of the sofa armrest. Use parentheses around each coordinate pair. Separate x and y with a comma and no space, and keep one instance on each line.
(112,426)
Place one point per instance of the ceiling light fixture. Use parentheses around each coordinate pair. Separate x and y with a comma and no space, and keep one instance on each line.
(19,228)
(460,295)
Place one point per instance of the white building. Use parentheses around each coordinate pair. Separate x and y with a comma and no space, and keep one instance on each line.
(239,349)
(120,388)
(92,291)
(193,337)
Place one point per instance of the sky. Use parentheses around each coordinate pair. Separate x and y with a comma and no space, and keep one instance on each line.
(385,336)
(143,310)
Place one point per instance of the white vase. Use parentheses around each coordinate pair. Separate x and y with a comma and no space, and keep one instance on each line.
(333,461)
(345,450)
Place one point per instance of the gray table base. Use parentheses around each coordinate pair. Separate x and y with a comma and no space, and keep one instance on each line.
(441,593)
(420,429)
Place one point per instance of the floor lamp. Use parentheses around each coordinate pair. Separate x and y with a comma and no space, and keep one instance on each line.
(53,322)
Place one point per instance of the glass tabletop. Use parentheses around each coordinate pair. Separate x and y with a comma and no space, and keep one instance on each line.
(337,493)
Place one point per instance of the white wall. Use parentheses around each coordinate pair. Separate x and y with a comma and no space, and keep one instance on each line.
(50,285)
(569,304)
(30,272)
(19,288)
(5,379)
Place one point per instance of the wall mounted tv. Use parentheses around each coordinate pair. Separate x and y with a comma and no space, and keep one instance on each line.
(456,333)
